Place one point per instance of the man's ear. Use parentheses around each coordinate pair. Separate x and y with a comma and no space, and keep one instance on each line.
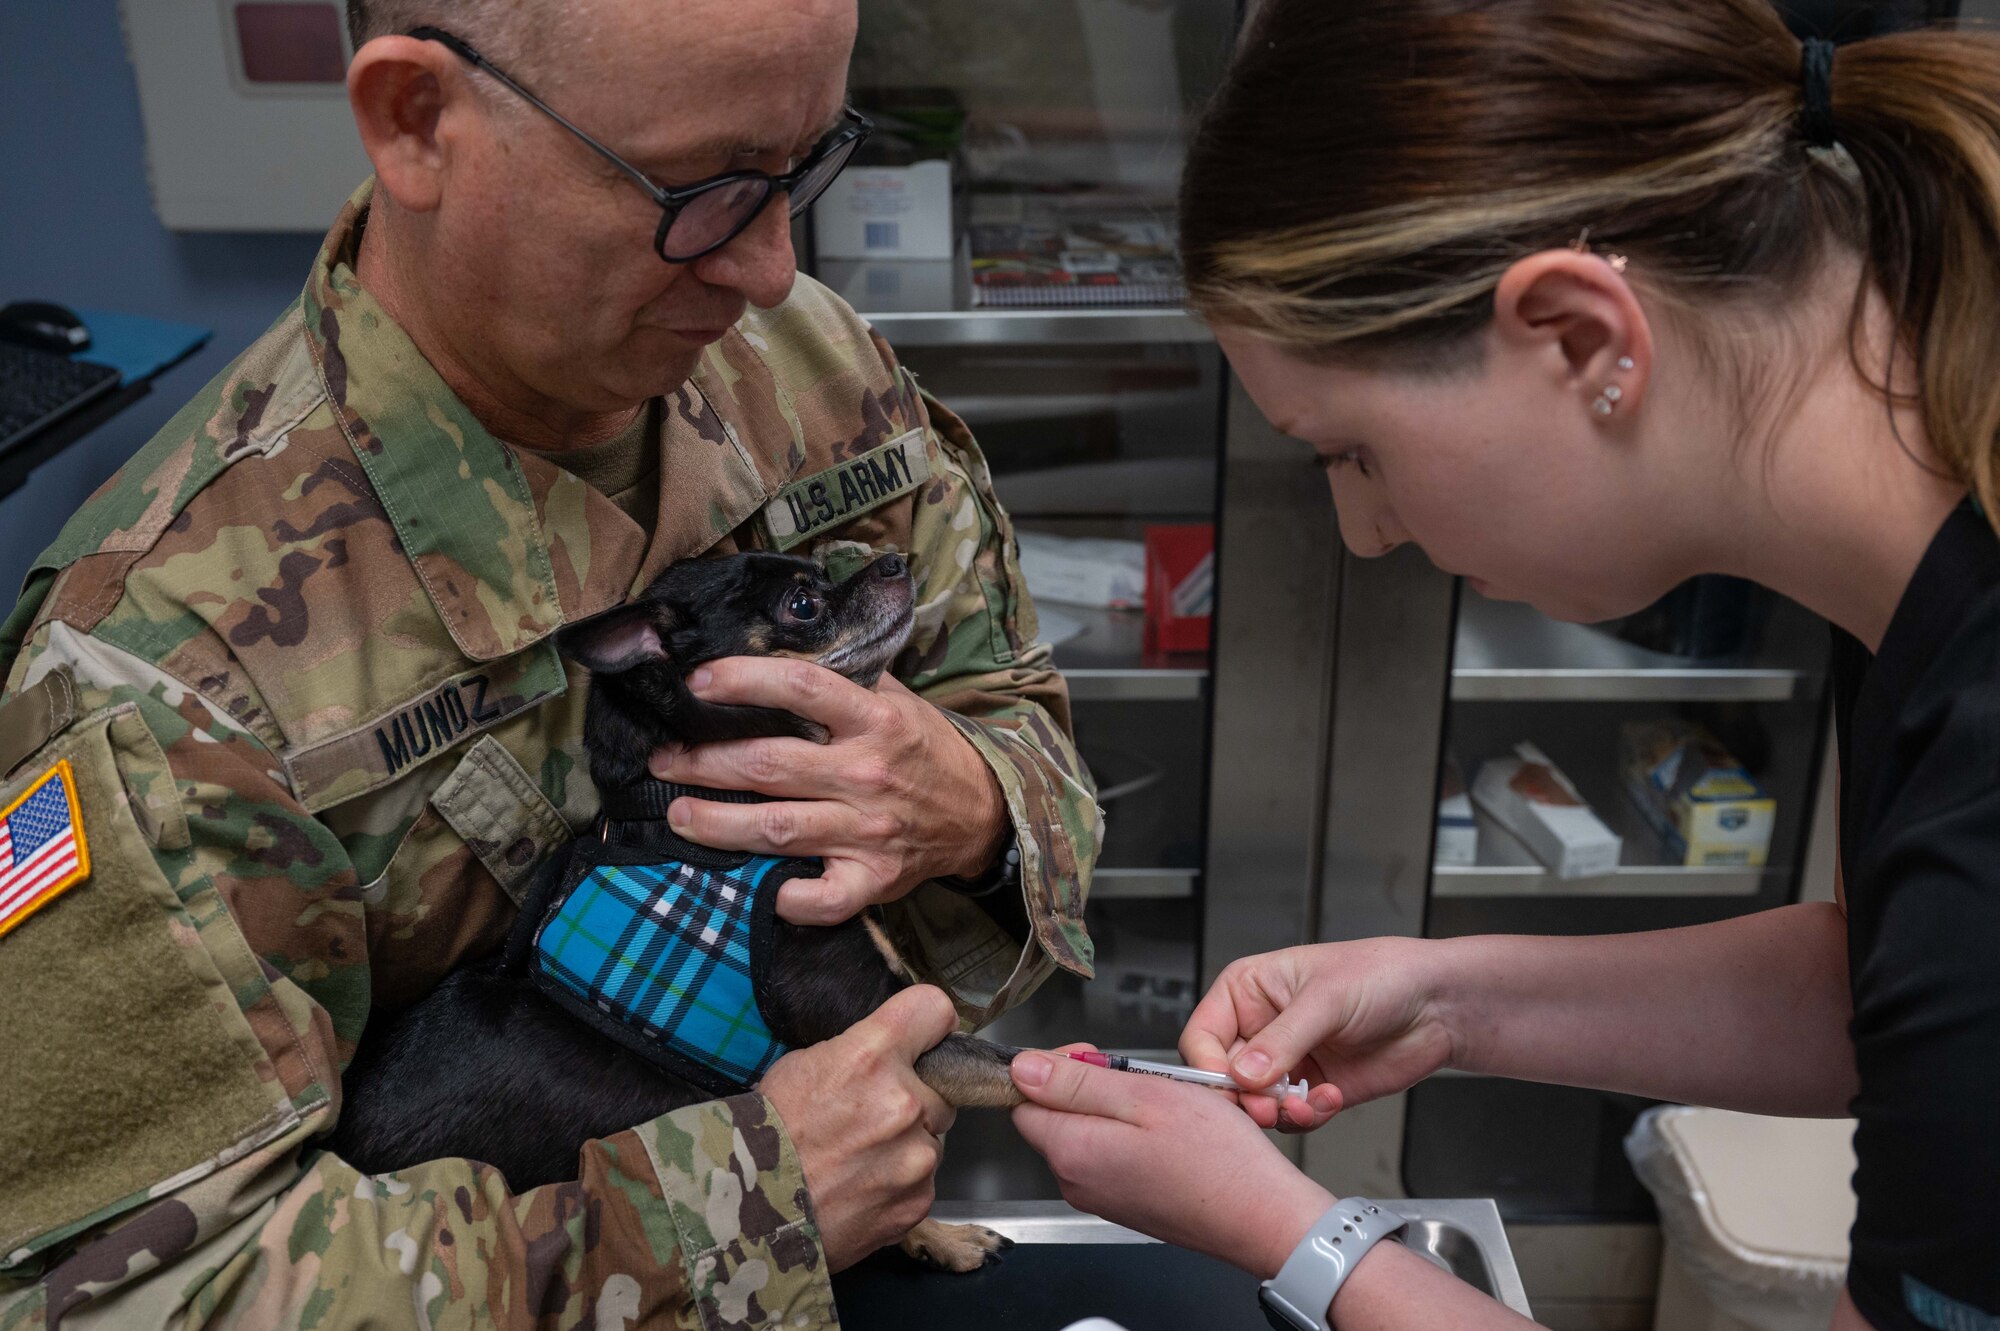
(617,641)
(400,89)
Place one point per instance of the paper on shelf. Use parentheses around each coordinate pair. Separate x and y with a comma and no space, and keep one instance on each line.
(1090,571)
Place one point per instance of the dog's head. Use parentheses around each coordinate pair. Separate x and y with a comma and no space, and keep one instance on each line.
(751,604)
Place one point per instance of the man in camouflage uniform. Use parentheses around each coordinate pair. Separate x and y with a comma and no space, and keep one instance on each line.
(295,667)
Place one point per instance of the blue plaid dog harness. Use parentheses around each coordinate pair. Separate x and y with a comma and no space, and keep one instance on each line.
(664,948)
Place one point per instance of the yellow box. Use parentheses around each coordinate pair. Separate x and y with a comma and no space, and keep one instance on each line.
(1706,808)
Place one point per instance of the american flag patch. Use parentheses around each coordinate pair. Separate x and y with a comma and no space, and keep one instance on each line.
(42,850)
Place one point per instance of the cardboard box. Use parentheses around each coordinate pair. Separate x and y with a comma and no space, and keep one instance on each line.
(1530,797)
(1707,809)
(1180,587)
(886,212)
(1457,832)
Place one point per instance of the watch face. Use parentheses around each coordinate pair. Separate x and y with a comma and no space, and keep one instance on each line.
(1278,1314)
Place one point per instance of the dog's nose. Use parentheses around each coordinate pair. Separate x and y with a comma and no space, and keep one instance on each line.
(889,566)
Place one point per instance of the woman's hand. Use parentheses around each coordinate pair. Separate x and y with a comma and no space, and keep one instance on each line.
(1175,1161)
(1357,1020)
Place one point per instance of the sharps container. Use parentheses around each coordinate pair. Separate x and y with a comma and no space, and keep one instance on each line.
(1755,1213)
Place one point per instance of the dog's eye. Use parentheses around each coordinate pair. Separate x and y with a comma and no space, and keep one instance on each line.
(803,606)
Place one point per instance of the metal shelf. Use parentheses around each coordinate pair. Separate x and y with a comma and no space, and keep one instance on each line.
(1509,869)
(1508,651)
(1646,880)
(1107,662)
(1142,884)
(1137,684)
(1037,327)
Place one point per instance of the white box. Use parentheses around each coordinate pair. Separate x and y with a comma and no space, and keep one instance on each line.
(886,212)
(1530,797)
(885,286)
(1457,833)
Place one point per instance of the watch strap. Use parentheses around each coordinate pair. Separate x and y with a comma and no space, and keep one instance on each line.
(1003,872)
(1300,1294)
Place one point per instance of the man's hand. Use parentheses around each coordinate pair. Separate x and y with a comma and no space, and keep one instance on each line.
(865,1128)
(895,796)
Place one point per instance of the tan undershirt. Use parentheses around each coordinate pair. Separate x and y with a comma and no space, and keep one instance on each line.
(624,468)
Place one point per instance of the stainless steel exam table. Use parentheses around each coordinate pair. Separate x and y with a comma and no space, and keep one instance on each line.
(1066,1266)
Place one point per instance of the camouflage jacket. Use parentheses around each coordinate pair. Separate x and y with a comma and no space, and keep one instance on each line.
(298,656)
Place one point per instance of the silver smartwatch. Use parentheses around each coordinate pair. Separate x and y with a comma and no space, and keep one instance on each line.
(1297,1298)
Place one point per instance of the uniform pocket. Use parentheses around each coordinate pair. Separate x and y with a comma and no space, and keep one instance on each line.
(130,1069)
(501,814)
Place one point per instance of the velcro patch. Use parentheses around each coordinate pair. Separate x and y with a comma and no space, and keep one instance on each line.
(846,490)
(42,849)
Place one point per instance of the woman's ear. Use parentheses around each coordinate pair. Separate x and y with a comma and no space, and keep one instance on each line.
(399,89)
(1577,313)
(618,640)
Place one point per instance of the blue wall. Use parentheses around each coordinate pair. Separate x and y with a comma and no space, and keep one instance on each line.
(77,226)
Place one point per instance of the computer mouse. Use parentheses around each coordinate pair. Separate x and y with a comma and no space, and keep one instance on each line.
(44,325)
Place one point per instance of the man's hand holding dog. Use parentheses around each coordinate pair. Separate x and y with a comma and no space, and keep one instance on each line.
(896,795)
(866,1129)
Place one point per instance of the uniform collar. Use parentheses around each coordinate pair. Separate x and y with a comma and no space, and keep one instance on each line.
(1961,565)
(509,547)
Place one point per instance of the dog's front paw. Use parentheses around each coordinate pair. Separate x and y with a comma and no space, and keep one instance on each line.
(954,1247)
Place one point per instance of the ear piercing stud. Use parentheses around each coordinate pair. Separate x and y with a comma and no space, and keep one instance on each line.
(1582,246)
(1612,393)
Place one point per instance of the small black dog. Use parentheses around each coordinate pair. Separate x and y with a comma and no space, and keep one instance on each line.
(488,1067)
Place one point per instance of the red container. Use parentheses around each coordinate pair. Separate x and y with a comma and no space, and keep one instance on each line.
(1180,587)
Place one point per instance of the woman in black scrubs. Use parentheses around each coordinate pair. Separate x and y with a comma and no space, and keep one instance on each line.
(1586,297)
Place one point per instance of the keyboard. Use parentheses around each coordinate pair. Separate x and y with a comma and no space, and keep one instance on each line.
(38,389)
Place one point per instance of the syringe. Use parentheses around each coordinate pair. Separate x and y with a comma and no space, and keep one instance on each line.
(1175,1072)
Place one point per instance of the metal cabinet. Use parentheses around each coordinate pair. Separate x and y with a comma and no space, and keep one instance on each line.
(1099,421)
(1282,786)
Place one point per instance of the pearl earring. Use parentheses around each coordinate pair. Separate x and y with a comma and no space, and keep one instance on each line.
(1625,363)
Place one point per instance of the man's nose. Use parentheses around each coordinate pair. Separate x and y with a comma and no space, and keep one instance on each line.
(759,262)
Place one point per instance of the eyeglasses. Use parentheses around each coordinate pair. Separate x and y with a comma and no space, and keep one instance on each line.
(700,218)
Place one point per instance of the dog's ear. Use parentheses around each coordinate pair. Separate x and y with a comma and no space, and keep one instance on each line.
(617,641)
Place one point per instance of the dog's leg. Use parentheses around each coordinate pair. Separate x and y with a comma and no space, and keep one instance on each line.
(958,1248)
(970,1073)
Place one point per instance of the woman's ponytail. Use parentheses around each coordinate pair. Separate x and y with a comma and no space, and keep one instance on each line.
(1919,113)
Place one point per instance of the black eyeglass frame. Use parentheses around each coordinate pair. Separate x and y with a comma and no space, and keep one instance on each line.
(843,138)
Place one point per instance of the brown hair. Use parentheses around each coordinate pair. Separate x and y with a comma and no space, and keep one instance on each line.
(1370,168)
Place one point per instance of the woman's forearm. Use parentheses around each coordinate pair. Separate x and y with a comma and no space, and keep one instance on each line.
(1749,1013)
(1393,1289)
